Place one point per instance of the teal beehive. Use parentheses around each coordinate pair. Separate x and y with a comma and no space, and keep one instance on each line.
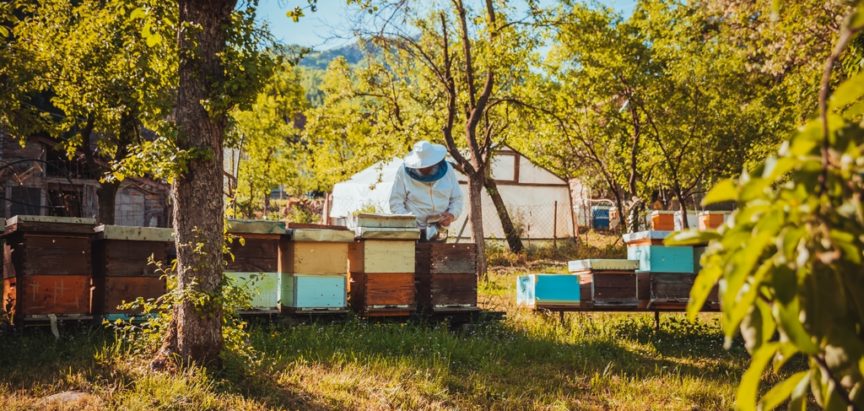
(662,259)
(263,287)
(547,290)
(313,292)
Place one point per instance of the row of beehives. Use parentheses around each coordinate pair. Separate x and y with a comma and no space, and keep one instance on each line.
(67,268)
(653,277)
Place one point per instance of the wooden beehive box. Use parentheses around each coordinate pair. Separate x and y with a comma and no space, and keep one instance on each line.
(670,290)
(649,237)
(607,282)
(548,291)
(314,267)
(711,220)
(122,269)
(661,259)
(47,267)
(662,220)
(381,266)
(255,262)
(446,277)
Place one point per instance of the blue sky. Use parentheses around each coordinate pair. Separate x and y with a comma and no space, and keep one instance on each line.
(329,26)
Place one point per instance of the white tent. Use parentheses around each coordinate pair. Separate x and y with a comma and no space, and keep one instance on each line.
(539,202)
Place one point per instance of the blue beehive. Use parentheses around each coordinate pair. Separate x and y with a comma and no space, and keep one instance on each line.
(547,290)
(313,292)
(600,218)
(661,259)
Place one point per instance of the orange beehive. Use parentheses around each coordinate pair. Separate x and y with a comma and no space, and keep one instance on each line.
(711,220)
(662,220)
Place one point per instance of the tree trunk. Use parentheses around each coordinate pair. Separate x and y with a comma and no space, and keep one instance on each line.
(107,195)
(196,332)
(619,202)
(475,190)
(510,231)
(678,193)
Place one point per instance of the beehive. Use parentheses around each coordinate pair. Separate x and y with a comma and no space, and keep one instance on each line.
(381,266)
(548,291)
(314,267)
(122,269)
(662,220)
(446,277)
(255,262)
(670,290)
(607,282)
(711,220)
(47,267)
(661,259)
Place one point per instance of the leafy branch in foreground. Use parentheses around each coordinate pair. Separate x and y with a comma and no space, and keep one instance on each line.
(789,260)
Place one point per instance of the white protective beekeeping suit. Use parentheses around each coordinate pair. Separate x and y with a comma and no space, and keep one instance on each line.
(439,193)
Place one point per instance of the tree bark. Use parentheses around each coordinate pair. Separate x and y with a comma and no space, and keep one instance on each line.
(197,193)
(475,190)
(680,194)
(510,231)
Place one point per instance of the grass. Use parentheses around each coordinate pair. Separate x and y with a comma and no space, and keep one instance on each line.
(526,361)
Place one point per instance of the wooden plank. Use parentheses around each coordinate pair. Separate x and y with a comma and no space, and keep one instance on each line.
(291,226)
(386,220)
(48,228)
(19,219)
(128,258)
(317,258)
(388,233)
(442,258)
(598,264)
(264,288)
(116,232)
(256,227)
(643,289)
(389,289)
(53,294)
(110,292)
(313,291)
(43,254)
(256,255)
(388,256)
(315,235)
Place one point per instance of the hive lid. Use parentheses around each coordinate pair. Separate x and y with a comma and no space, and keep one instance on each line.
(383,233)
(709,212)
(386,220)
(602,264)
(658,212)
(645,235)
(256,227)
(329,235)
(49,219)
(117,232)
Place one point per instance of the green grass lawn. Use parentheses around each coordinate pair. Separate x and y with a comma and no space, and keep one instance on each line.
(526,361)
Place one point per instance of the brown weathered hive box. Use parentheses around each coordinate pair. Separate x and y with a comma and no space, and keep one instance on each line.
(446,277)
(47,267)
(381,268)
(122,269)
(607,283)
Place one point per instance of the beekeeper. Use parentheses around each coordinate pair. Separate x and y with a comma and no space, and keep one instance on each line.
(426,187)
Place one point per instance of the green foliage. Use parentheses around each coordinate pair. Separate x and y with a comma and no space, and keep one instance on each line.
(789,262)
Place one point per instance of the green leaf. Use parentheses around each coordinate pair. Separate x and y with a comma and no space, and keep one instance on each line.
(138,13)
(4,32)
(790,324)
(702,286)
(725,190)
(691,237)
(798,400)
(848,91)
(748,388)
(780,392)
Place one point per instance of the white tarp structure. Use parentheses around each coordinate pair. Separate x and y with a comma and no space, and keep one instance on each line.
(539,202)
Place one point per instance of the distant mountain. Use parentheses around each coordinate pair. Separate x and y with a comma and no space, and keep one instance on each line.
(320,59)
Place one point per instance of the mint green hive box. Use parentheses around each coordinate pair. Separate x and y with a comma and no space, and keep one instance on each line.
(550,291)
(263,287)
(313,292)
(662,259)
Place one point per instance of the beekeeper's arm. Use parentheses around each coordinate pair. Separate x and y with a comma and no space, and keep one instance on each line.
(399,194)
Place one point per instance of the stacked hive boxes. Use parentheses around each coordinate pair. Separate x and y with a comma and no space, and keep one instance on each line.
(548,291)
(254,262)
(47,267)
(670,270)
(446,277)
(122,271)
(314,265)
(381,265)
(606,282)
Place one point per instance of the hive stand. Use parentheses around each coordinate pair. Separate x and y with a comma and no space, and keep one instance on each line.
(47,269)
(122,269)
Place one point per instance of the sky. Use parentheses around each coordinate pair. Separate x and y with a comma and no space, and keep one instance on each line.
(328,27)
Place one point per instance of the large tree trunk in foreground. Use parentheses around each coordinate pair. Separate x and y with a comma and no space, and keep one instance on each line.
(196,332)
(510,232)
(475,189)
